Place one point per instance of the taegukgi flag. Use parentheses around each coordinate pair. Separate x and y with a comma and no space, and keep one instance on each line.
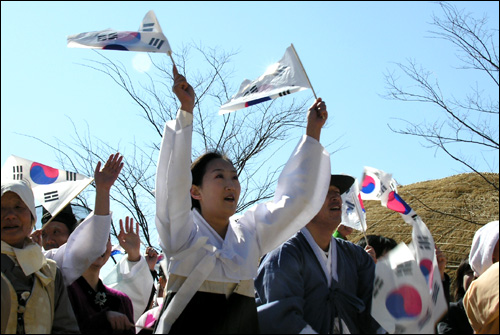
(149,38)
(408,295)
(409,308)
(282,78)
(53,188)
(353,210)
(375,183)
(401,300)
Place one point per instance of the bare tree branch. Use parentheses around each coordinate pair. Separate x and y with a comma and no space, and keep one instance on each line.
(472,121)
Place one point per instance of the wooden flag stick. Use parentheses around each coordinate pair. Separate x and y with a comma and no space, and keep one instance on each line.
(366,240)
(170,54)
(296,55)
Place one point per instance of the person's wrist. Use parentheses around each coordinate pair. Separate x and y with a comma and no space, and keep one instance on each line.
(103,190)
(134,257)
(313,132)
(188,108)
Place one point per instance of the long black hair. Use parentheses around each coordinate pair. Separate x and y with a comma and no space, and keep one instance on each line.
(198,169)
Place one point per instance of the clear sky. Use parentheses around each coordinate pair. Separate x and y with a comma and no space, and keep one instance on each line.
(346,47)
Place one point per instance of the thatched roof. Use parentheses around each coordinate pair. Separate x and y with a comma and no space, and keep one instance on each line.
(453,209)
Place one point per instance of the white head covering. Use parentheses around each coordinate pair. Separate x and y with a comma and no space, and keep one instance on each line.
(481,252)
(23,189)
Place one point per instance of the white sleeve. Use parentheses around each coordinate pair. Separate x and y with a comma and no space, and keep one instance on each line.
(300,194)
(135,280)
(174,221)
(85,244)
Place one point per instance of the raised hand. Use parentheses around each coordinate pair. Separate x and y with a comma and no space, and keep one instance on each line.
(36,237)
(316,118)
(151,257)
(104,180)
(183,91)
(369,249)
(106,177)
(130,240)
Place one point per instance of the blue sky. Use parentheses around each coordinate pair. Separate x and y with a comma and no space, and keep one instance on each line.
(346,47)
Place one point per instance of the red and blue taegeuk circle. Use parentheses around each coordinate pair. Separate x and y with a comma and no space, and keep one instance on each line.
(368,185)
(404,302)
(43,174)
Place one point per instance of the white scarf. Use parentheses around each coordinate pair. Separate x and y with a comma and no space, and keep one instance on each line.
(30,258)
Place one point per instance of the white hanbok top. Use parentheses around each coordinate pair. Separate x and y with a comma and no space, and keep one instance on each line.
(134,279)
(85,244)
(197,255)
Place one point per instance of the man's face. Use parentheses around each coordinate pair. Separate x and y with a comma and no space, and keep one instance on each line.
(54,234)
(331,212)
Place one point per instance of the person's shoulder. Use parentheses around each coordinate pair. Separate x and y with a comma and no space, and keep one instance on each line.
(346,244)
(354,249)
(115,292)
(292,248)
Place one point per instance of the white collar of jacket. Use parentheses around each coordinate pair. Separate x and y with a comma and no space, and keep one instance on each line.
(30,258)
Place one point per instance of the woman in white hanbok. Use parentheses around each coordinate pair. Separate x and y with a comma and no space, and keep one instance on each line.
(212,256)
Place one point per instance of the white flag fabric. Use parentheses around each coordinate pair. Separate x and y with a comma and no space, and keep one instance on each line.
(408,291)
(408,296)
(424,250)
(353,211)
(282,78)
(149,38)
(401,300)
(53,188)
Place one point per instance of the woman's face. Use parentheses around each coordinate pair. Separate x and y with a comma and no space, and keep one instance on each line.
(16,220)
(220,189)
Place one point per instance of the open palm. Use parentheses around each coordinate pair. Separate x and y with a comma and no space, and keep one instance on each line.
(129,240)
(106,177)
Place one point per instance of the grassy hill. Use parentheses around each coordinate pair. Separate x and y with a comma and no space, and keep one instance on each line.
(453,209)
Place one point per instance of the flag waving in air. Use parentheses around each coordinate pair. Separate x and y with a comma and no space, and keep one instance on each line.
(353,210)
(408,290)
(282,78)
(374,183)
(53,188)
(149,38)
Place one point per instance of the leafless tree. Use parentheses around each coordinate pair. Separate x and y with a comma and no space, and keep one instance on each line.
(472,120)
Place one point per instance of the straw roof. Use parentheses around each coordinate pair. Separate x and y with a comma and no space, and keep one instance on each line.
(453,209)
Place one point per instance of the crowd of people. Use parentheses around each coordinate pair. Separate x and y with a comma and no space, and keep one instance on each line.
(283,266)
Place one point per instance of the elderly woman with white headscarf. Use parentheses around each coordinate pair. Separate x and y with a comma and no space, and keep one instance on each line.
(38,301)
(481,299)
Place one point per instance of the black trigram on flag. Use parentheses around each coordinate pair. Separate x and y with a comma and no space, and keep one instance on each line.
(284,93)
(17,172)
(252,89)
(50,196)
(404,269)
(423,242)
(154,42)
(70,176)
(147,26)
(377,285)
(279,71)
